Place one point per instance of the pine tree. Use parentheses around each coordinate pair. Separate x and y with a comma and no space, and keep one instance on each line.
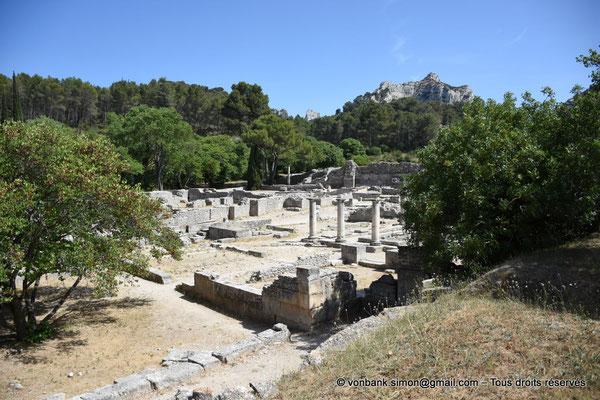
(17,113)
(4,115)
(254,173)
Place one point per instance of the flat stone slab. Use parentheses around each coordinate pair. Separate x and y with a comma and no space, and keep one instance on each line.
(204,358)
(265,390)
(173,374)
(281,228)
(133,384)
(372,264)
(176,355)
(228,231)
(234,350)
(156,275)
(374,249)
(332,243)
(271,336)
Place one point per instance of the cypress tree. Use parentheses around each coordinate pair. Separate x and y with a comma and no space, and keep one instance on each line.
(254,173)
(17,113)
(4,115)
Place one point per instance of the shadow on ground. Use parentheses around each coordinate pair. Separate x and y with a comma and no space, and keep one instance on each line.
(82,308)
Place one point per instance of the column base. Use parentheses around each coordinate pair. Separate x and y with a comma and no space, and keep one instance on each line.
(340,240)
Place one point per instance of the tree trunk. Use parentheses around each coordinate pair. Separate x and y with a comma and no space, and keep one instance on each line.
(62,301)
(18,312)
(159,177)
(30,304)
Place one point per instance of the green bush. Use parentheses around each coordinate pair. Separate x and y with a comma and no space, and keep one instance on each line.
(351,148)
(374,151)
(507,179)
(39,333)
(361,160)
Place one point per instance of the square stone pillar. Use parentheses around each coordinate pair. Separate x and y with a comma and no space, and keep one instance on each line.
(410,272)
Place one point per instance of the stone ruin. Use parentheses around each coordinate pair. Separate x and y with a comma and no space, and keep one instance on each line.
(312,296)
(300,296)
(375,174)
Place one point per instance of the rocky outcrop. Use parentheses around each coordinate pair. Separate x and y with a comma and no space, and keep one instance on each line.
(310,115)
(281,113)
(429,89)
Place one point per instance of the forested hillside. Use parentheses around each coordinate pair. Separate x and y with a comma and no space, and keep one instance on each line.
(175,134)
(82,105)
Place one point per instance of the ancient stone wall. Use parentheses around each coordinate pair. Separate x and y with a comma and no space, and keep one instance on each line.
(265,205)
(312,296)
(234,298)
(374,174)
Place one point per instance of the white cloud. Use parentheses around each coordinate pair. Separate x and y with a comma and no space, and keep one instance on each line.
(517,38)
(397,51)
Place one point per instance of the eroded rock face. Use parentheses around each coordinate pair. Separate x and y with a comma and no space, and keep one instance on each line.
(429,89)
(310,115)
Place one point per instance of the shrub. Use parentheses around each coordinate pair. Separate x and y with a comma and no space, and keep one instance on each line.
(507,179)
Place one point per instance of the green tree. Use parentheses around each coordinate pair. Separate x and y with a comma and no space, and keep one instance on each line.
(592,61)
(351,148)
(152,136)
(507,179)
(16,98)
(276,138)
(63,209)
(222,159)
(254,173)
(4,114)
(244,104)
(324,154)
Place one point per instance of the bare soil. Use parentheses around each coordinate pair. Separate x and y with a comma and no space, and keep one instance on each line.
(100,339)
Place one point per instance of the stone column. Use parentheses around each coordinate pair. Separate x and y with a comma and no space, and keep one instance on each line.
(340,221)
(312,219)
(410,272)
(375,223)
(289,177)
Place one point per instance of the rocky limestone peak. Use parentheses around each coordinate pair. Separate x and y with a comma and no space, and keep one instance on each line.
(431,88)
(432,76)
(310,115)
(280,112)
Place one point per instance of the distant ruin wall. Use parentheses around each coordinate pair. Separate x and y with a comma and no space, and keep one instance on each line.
(374,174)
(312,296)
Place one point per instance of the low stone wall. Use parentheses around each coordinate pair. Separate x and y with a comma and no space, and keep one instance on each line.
(312,296)
(364,214)
(239,211)
(239,299)
(220,231)
(374,174)
(265,205)
(408,263)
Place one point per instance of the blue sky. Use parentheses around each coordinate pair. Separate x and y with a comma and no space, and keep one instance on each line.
(305,54)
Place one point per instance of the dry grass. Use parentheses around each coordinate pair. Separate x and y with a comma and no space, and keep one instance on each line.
(564,278)
(464,337)
(534,317)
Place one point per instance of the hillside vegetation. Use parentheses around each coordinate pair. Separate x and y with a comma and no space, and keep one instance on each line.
(479,334)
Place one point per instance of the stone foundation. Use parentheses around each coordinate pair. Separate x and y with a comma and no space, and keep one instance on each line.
(312,296)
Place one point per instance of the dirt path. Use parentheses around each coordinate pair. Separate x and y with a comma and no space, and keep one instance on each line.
(108,338)
(264,365)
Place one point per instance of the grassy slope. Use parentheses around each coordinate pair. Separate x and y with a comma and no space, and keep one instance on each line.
(469,335)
